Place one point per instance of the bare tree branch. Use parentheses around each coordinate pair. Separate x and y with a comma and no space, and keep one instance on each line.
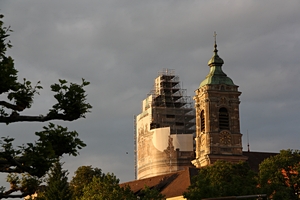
(11,162)
(5,196)
(11,106)
(41,118)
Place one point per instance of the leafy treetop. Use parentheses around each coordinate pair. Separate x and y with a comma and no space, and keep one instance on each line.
(92,184)
(279,175)
(222,179)
(57,185)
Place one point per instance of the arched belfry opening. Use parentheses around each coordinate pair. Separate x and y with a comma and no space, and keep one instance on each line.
(223,119)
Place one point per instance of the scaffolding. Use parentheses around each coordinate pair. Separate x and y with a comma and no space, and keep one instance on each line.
(135,148)
(171,107)
(166,106)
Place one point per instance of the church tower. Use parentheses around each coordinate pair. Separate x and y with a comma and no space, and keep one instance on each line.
(165,128)
(217,102)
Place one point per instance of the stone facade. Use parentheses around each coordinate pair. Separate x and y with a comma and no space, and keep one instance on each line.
(217,102)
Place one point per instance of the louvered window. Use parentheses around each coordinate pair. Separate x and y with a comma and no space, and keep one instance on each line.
(223,119)
(202,121)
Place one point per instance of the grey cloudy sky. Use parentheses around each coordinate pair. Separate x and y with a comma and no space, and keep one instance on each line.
(119,46)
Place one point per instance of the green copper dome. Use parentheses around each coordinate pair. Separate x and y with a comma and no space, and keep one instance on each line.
(216,75)
(215,59)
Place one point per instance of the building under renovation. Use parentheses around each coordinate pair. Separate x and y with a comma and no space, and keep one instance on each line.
(165,129)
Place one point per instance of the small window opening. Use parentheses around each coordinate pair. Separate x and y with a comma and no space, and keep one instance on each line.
(202,121)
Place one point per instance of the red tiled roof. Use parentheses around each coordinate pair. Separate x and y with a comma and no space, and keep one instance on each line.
(171,185)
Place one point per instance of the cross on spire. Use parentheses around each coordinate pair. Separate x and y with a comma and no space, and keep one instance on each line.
(215,36)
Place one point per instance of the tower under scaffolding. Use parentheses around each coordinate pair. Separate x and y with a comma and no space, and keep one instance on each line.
(171,107)
(165,128)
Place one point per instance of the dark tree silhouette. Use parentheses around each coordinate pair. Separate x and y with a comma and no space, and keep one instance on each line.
(33,160)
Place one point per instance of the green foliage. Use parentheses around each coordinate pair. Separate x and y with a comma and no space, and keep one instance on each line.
(105,187)
(21,93)
(279,175)
(26,164)
(8,74)
(83,176)
(36,158)
(29,183)
(222,179)
(150,194)
(25,183)
(90,183)
(57,136)
(24,94)
(57,185)
(71,99)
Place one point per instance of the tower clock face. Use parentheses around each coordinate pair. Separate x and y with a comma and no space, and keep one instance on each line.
(225,137)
